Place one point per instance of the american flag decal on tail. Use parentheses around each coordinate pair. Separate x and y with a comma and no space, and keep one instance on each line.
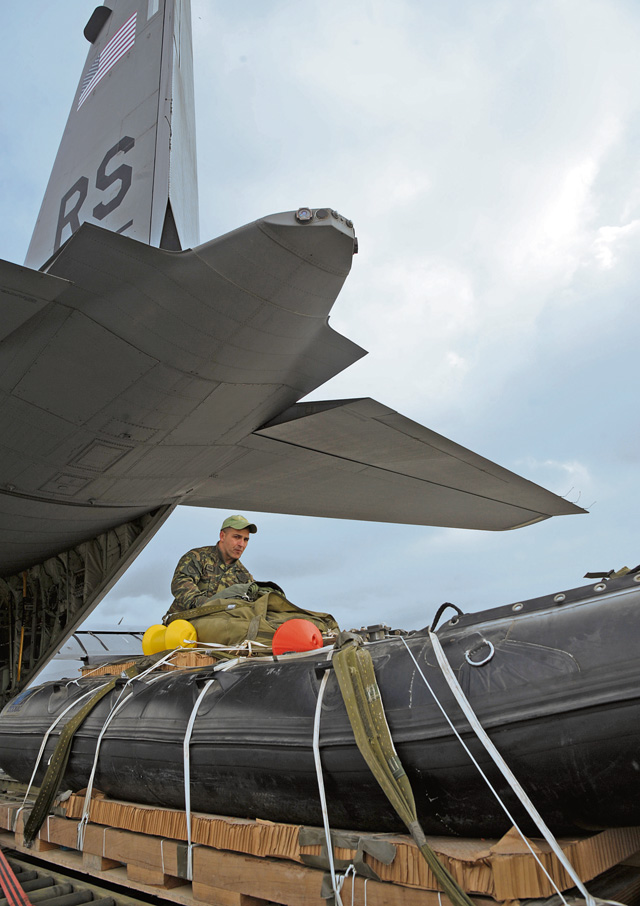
(117,47)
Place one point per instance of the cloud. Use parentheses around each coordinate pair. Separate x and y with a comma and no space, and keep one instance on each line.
(571,479)
(612,242)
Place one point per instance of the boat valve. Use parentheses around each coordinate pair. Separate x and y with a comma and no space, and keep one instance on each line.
(375,633)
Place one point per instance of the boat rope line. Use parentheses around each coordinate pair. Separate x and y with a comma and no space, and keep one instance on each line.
(187,773)
(351,870)
(464,704)
(247,645)
(356,677)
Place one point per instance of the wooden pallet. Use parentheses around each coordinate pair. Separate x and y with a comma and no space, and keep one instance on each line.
(267,869)
(500,869)
(220,878)
(180,660)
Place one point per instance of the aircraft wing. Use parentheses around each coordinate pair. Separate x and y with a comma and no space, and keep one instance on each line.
(24,293)
(358,459)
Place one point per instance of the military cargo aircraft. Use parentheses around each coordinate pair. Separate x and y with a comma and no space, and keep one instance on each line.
(141,369)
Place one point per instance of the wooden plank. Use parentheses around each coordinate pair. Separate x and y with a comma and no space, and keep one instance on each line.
(296,885)
(40,844)
(60,831)
(8,812)
(217,896)
(279,881)
(154,877)
(168,856)
(92,863)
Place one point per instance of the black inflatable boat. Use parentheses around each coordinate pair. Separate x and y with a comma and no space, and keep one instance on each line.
(555,682)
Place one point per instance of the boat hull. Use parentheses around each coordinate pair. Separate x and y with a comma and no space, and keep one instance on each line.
(559,695)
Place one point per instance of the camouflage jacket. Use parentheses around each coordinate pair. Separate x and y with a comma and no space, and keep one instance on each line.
(200,574)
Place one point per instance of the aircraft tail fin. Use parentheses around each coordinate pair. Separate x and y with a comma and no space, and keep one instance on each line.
(127,160)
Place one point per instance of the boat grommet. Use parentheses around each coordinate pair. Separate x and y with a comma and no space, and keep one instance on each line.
(599,587)
(483,643)
(636,578)
(454,620)
(517,606)
(560,598)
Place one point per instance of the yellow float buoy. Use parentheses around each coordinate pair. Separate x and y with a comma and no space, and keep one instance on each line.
(153,639)
(180,634)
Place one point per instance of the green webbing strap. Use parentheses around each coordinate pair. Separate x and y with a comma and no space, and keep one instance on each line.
(357,680)
(381,850)
(58,763)
(260,612)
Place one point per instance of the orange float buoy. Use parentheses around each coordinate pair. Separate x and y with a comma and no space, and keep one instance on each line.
(296,635)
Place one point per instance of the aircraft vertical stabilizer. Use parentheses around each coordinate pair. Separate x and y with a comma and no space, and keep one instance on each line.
(127,159)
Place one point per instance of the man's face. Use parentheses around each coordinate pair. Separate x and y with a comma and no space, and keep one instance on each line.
(232,543)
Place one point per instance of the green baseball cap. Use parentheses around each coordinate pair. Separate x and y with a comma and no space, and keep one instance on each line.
(238,522)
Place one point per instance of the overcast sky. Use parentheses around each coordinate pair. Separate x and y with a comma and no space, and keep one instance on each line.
(489,156)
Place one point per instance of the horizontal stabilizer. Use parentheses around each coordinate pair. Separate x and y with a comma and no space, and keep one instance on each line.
(358,459)
(23,293)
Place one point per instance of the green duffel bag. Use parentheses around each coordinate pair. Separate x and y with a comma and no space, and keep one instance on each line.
(232,616)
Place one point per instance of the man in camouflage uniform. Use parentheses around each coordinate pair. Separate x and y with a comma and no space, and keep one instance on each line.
(204,571)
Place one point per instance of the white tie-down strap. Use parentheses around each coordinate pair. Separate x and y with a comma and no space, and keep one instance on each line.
(323,799)
(122,700)
(48,734)
(484,776)
(187,775)
(86,808)
(499,761)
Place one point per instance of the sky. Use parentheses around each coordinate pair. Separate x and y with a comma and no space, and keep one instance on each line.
(489,156)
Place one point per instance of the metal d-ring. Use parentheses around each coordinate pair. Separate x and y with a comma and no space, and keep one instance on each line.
(477,647)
